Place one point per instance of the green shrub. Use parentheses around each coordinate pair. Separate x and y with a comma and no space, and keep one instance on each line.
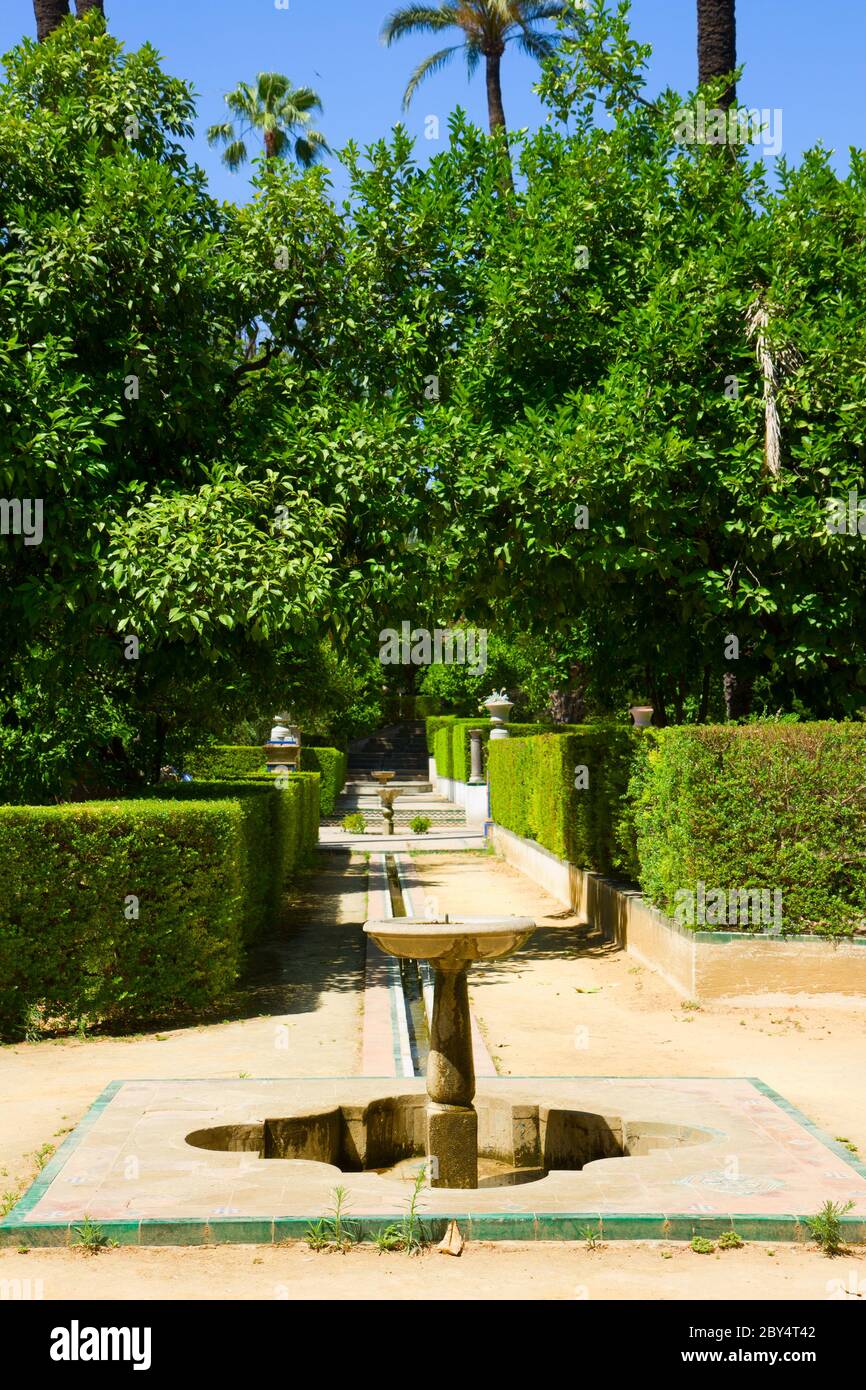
(225,763)
(70,942)
(762,806)
(419,825)
(354,823)
(533,791)
(433,725)
(332,764)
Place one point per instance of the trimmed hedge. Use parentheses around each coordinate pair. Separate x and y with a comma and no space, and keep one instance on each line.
(67,877)
(332,764)
(238,762)
(448,737)
(280,829)
(208,863)
(761,806)
(533,792)
(225,763)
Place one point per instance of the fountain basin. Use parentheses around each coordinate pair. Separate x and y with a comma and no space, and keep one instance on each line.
(457,942)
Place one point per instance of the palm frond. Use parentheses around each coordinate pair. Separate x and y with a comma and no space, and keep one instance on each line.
(534,45)
(537,11)
(426,69)
(309,148)
(419,19)
(221,134)
(235,155)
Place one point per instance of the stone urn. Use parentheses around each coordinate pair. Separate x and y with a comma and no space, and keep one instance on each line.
(283,748)
(499,708)
(642,715)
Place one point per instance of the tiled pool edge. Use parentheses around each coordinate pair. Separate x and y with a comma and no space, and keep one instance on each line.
(487,1226)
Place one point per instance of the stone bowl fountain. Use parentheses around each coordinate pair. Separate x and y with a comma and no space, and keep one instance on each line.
(451,947)
(387,797)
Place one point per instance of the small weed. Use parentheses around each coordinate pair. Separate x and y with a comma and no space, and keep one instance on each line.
(691,1006)
(8,1199)
(702,1246)
(592,1238)
(91,1238)
(667,1254)
(355,823)
(847,1144)
(407,1234)
(332,1232)
(729,1240)
(826,1227)
(41,1156)
(419,825)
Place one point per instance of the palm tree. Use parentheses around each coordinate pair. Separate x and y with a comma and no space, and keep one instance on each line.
(49,13)
(277,110)
(487,27)
(717,43)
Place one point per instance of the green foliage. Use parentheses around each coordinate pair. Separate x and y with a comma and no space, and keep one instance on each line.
(208,864)
(67,874)
(332,766)
(419,825)
(566,791)
(703,1246)
(354,823)
(763,806)
(826,1227)
(225,762)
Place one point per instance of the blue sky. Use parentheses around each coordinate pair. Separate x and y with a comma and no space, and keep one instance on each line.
(807,59)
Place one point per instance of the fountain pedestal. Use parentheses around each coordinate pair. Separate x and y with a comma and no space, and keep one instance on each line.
(451,947)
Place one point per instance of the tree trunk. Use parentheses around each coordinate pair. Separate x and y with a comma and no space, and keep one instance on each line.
(82,6)
(495,109)
(270,144)
(49,13)
(717,43)
(738,696)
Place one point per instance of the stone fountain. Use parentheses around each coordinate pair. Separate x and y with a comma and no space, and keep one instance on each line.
(387,797)
(451,947)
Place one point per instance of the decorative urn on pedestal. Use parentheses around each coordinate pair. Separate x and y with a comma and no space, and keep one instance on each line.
(642,715)
(283,748)
(499,708)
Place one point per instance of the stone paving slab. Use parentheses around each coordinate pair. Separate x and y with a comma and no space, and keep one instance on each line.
(762,1168)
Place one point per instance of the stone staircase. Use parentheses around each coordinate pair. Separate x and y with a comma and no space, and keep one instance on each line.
(401,749)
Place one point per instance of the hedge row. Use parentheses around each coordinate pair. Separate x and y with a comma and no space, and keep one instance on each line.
(690,811)
(449,737)
(567,791)
(762,806)
(220,762)
(123,910)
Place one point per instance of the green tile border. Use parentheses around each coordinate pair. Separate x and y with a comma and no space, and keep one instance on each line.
(479,1226)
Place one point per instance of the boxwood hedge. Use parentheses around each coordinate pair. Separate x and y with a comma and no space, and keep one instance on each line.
(220,762)
(128,909)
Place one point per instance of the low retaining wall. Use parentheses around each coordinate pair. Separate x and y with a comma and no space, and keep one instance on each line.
(735,966)
(474,800)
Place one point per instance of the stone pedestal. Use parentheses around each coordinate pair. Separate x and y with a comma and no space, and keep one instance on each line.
(452,1143)
(452,1125)
(476,758)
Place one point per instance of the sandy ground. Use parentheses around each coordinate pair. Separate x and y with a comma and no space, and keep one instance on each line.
(504,1271)
(300,1015)
(568,1004)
